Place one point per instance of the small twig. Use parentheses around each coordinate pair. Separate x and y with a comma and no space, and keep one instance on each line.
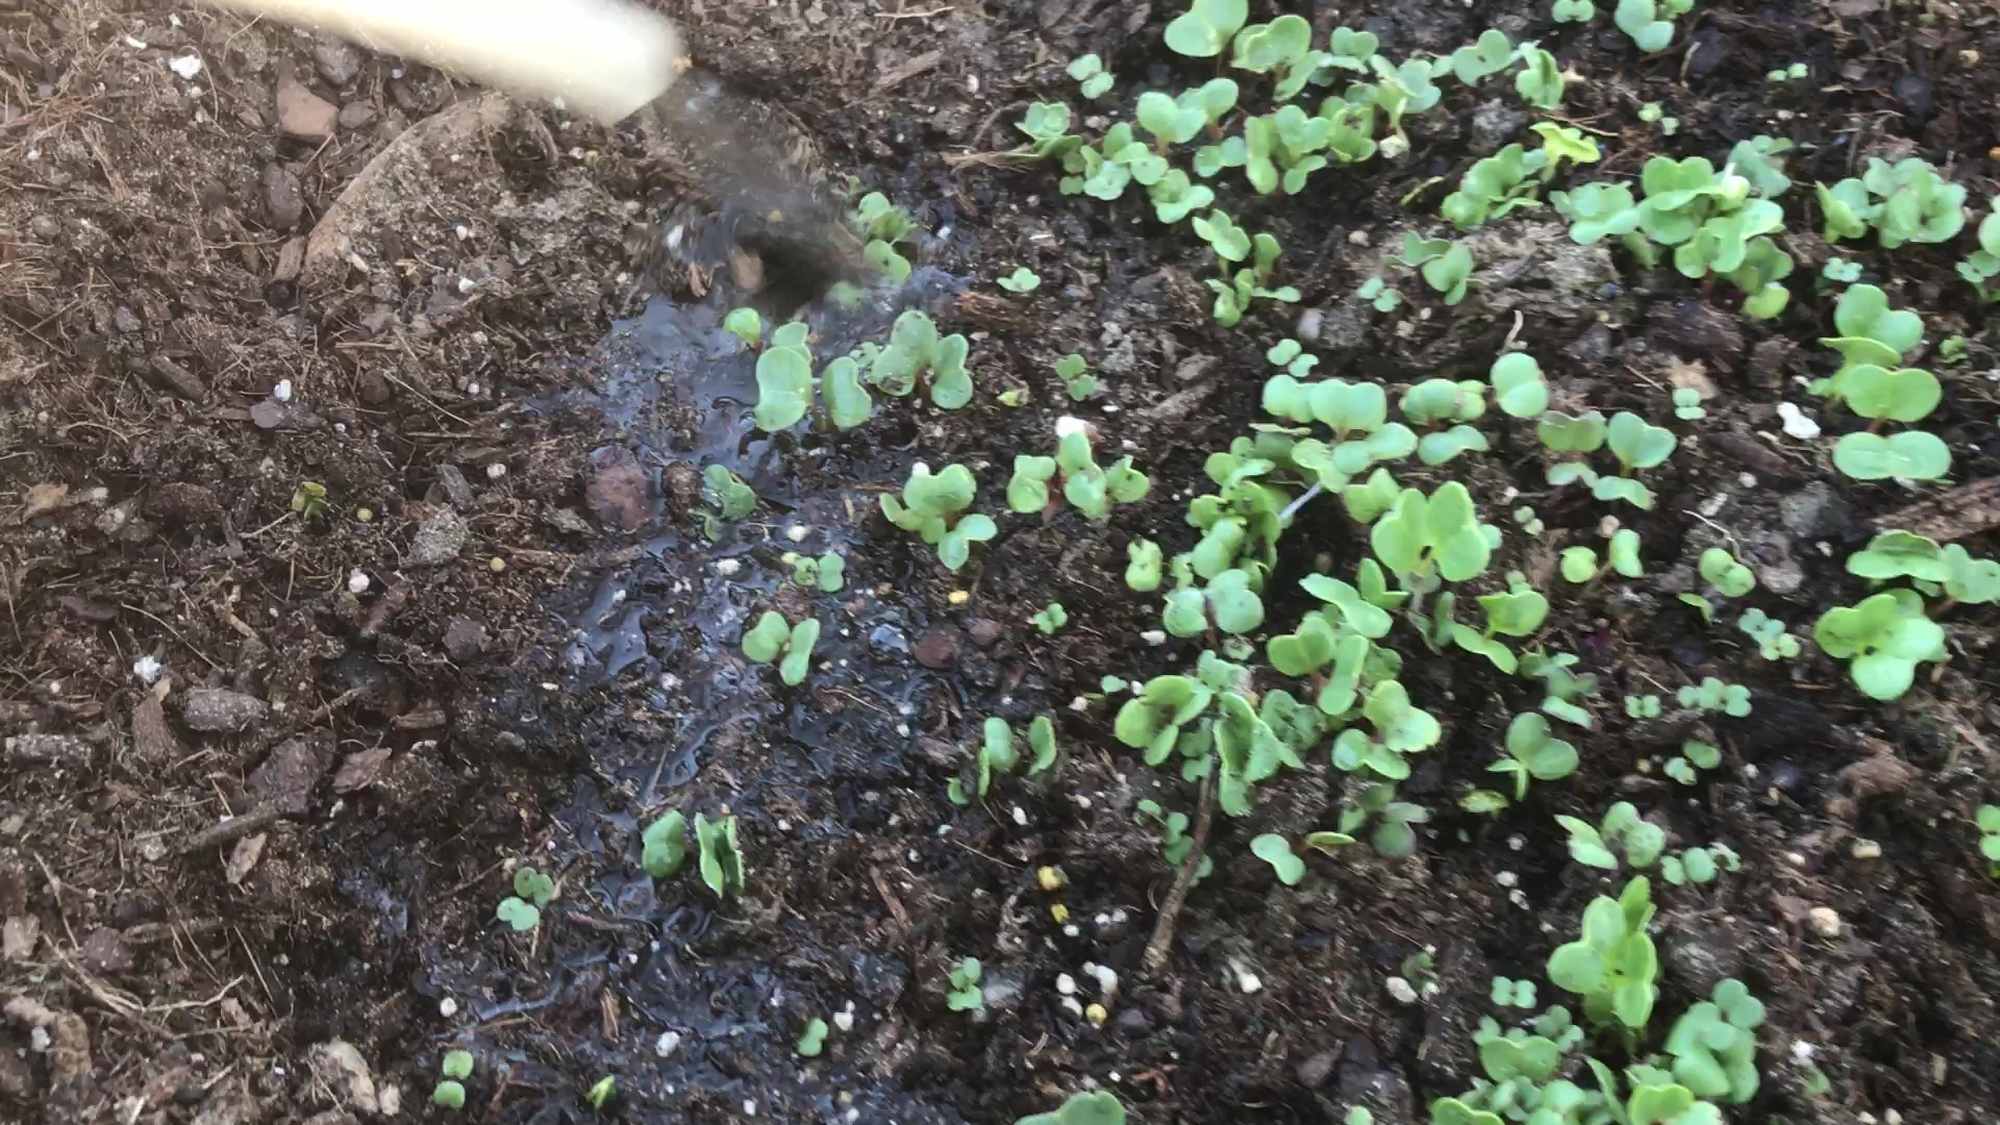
(1155,957)
(231,830)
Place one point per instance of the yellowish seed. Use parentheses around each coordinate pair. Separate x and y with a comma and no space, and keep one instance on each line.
(1096,1015)
(364,515)
(959,597)
(1060,913)
(496,564)
(1051,879)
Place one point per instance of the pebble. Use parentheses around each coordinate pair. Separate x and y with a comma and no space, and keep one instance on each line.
(439,538)
(1400,990)
(336,60)
(1824,920)
(219,710)
(938,649)
(356,114)
(464,638)
(302,113)
(284,199)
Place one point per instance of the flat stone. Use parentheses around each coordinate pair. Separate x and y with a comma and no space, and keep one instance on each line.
(440,537)
(616,489)
(464,638)
(302,113)
(284,199)
(219,710)
(153,741)
(287,777)
(356,114)
(104,951)
(291,258)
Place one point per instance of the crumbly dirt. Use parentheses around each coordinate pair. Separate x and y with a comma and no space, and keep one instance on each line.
(430,310)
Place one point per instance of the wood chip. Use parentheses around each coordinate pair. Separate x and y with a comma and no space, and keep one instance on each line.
(360,770)
(1973,508)
(897,75)
(243,857)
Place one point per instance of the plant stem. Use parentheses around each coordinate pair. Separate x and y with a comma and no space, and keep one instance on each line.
(1155,957)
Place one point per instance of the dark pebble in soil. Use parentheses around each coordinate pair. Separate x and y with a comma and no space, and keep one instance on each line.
(464,638)
(984,631)
(939,648)
(284,199)
(182,504)
(617,491)
(1914,91)
(221,710)
(887,640)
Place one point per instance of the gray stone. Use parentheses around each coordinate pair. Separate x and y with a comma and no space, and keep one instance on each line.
(47,749)
(337,61)
(284,199)
(1815,511)
(452,488)
(287,777)
(1494,124)
(464,638)
(302,113)
(440,537)
(219,710)
(356,114)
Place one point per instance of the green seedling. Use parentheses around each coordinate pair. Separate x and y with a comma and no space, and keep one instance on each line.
(1841,271)
(1093,1108)
(1490,54)
(1983,265)
(882,225)
(1047,127)
(934,507)
(1076,377)
(1563,687)
(1987,820)
(1642,707)
(1579,565)
(812,1040)
(1613,966)
(1519,389)
(784,379)
(450,1090)
(1637,444)
(1968,580)
(1282,49)
(1904,202)
(1899,554)
(663,846)
(1152,721)
(1528,521)
(601,1092)
(1699,866)
(1712,694)
(1277,851)
(1143,566)
(1884,637)
(1649,23)
(1695,755)
(1175,843)
(1714,1044)
(1292,356)
(1540,81)
(1760,160)
(309,501)
(1022,280)
(1513,993)
(733,500)
(1438,401)
(1445,266)
(1206,27)
(721,860)
(916,352)
(1869,331)
(1438,532)
(1399,728)
(1393,837)
(1533,752)
(827,573)
(1573,11)
(997,756)
(522,910)
(1773,642)
(1793,73)
(1228,602)
(1089,71)
(1091,490)
(1051,619)
(1720,570)
(963,993)
(772,636)
(1517,613)
(745,325)
(1380,294)
(1687,405)
(1623,829)
(1913,455)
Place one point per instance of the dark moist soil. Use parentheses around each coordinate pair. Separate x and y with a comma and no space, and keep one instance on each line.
(539,653)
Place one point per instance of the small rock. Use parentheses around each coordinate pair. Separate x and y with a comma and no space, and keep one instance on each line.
(302,113)
(1400,990)
(356,114)
(1815,511)
(153,741)
(125,321)
(284,199)
(17,938)
(175,379)
(984,631)
(617,491)
(287,777)
(464,638)
(1313,1071)
(221,710)
(887,640)
(13,888)
(291,257)
(1591,347)
(451,488)
(1824,920)
(938,649)
(336,60)
(1795,423)
(1002,988)
(1494,124)
(1916,94)
(337,1063)
(439,538)
(104,951)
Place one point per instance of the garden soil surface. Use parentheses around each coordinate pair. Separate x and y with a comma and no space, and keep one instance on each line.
(259,883)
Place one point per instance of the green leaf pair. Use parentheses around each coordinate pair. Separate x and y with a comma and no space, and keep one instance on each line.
(772,637)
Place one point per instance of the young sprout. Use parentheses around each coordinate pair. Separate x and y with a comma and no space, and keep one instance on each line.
(1380,294)
(1884,636)
(1277,851)
(1712,694)
(601,1092)
(1089,70)
(1649,24)
(721,860)
(1687,405)
(455,1069)
(964,994)
(935,507)
(663,846)
(1093,1108)
(772,637)
(1206,27)
(523,909)
(745,325)
(1022,280)
(812,1040)
(1076,377)
(1051,619)
(1513,993)
(1573,11)
(1720,569)
(1533,751)
(1642,706)
(1144,565)
(1445,266)
(1773,642)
